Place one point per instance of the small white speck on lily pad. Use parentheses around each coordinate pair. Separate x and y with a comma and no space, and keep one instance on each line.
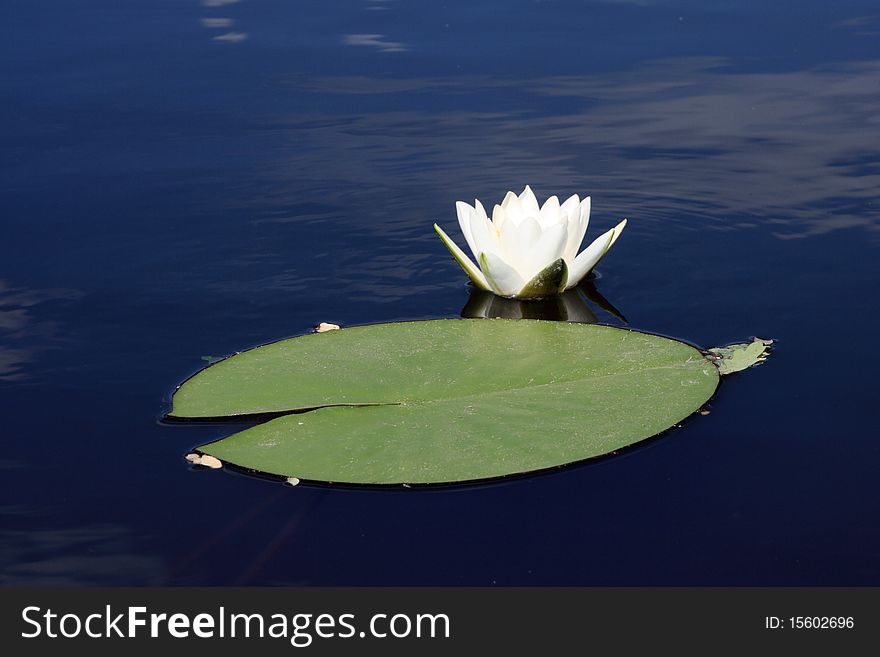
(323,327)
(205,460)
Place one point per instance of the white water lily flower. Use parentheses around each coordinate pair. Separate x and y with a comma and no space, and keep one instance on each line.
(526,251)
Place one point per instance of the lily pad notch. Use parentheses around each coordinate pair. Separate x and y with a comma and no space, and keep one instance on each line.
(451,401)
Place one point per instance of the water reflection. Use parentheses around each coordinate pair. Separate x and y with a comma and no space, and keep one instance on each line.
(571,306)
(378,5)
(374,40)
(213,195)
(77,556)
(231,37)
(691,141)
(216,22)
(22,334)
(221,23)
(867,26)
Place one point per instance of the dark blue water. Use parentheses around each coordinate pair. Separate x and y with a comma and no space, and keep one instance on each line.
(176,186)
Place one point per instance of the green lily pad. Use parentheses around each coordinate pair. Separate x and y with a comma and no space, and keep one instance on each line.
(738,357)
(446,400)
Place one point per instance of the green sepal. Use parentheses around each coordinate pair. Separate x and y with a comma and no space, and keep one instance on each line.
(461,258)
(548,282)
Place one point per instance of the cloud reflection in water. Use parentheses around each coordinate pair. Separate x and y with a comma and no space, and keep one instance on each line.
(374,40)
(685,141)
(77,556)
(23,333)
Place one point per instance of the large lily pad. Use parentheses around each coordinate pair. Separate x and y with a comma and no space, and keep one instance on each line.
(446,400)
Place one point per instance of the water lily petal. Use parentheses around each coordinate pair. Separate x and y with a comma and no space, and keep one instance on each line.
(618,229)
(469,267)
(509,197)
(518,244)
(550,212)
(585,213)
(513,211)
(546,283)
(579,220)
(571,208)
(503,279)
(465,214)
(529,203)
(521,238)
(484,235)
(546,249)
(481,211)
(588,258)
(498,217)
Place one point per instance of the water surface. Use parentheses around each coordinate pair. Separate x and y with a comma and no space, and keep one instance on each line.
(183,180)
